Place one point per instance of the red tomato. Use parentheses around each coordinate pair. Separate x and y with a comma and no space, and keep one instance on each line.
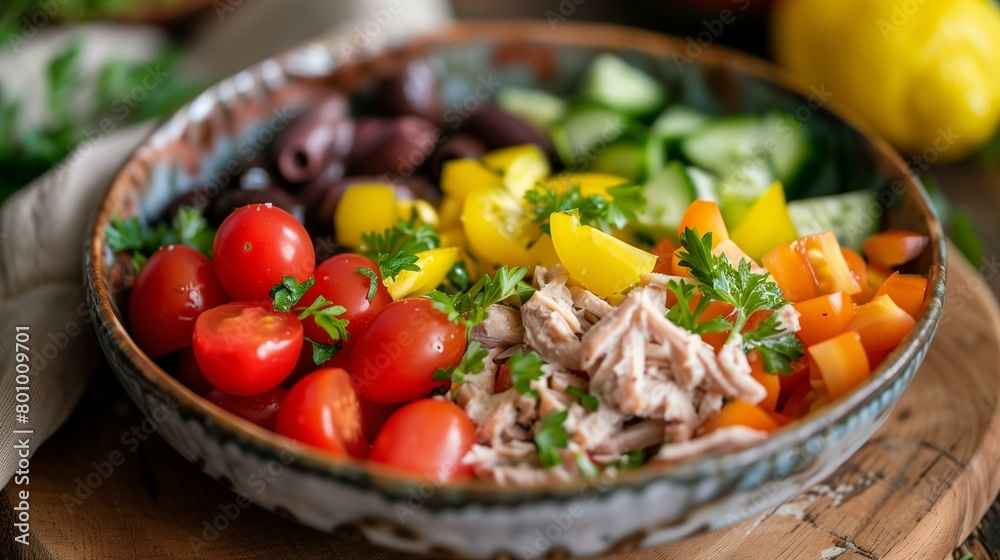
(426,438)
(374,416)
(190,374)
(246,349)
(338,281)
(893,248)
(664,252)
(395,358)
(173,288)
(799,402)
(791,381)
(323,410)
(256,246)
(260,409)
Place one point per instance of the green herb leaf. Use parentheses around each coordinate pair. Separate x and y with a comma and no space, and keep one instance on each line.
(289,292)
(552,437)
(626,202)
(469,306)
(322,353)
(188,228)
(682,315)
(633,460)
(525,368)
(395,249)
(588,401)
(777,348)
(325,313)
(586,466)
(473,362)
(372,280)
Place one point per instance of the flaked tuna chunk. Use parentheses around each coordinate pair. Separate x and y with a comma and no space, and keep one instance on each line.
(637,436)
(589,307)
(724,439)
(501,329)
(516,464)
(551,327)
(592,429)
(732,376)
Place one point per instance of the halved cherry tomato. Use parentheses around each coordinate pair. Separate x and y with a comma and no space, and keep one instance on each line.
(175,286)
(907,290)
(791,271)
(395,358)
(841,361)
(824,317)
(323,410)
(245,348)
(374,415)
(882,324)
(664,252)
(769,381)
(893,248)
(741,413)
(822,252)
(338,280)
(859,270)
(260,409)
(704,216)
(257,245)
(426,438)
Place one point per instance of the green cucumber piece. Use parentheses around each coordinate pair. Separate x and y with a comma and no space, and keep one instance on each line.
(536,106)
(678,121)
(704,183)
(740,188)
(623,158)
(792,149)
(848,215)
(721,144)
(668,194)
(618,85)
(584,133)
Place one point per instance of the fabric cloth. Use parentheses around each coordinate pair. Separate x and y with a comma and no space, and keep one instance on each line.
(44,226)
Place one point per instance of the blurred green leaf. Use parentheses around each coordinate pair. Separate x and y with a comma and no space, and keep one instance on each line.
(963,235)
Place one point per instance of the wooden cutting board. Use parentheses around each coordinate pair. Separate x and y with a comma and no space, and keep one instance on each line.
(915,491)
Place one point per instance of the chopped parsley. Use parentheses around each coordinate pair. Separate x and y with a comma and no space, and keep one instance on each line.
(595,210)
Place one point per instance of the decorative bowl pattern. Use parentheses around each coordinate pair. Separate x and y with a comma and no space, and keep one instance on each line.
(650,506)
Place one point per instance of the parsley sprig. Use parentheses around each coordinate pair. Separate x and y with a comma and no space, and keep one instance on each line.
(395,249)
(588,401)
(683,315)
(627,201)
(552,437)
(286,296)
(747,291)
(189,227)
(525,367)
(472,362)
(469,306)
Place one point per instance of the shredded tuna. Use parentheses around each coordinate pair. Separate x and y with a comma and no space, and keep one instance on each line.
(723,439)
(551,327)
(501,329)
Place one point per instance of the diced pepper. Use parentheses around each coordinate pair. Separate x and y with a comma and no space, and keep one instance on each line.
(907,290)
(823,253)
(824,317)
(841,362)
(859,271)
(766,224)
(589,183)
(741,413)
(521,166)
(881,324)
(603,264)
(893,248)
(791,271)
(799,402)
(500,233)
(704,216)
(460,177)
(769,381)
(364,209)
(664,252)
(434,267)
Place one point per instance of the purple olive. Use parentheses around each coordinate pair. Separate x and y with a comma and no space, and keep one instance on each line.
(457,146)
(231,199)
(411,91)
(499,129)
(400,148)
(323,132)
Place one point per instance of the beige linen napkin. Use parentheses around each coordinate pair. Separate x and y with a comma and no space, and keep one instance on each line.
(43,227)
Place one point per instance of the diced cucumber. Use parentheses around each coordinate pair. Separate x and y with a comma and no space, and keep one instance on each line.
(791,146)
(678,121)
(536,106)
(618,85)
(704,184)
(668,194)
(622,158)
(849,215)
(584,133)
(721,144)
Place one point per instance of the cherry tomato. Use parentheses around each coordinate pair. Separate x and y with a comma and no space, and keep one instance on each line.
(190,374)
(260,409)
(173,288)
(374,416)
(408,340)
(257,245)
(323,410)
(338,280)
(246,349)
(426,438)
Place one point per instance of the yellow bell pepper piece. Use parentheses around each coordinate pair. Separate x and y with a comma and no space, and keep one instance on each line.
(364,209)
(499,232)
(603,264)
(589,183)
(923,74)
(459,177)
(450,212)
(420,210)
(521,166)
(434,267)
(766,224)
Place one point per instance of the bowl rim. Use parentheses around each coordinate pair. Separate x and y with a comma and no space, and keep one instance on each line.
(532,32)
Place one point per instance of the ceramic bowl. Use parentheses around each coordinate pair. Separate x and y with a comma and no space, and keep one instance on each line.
(640,508)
